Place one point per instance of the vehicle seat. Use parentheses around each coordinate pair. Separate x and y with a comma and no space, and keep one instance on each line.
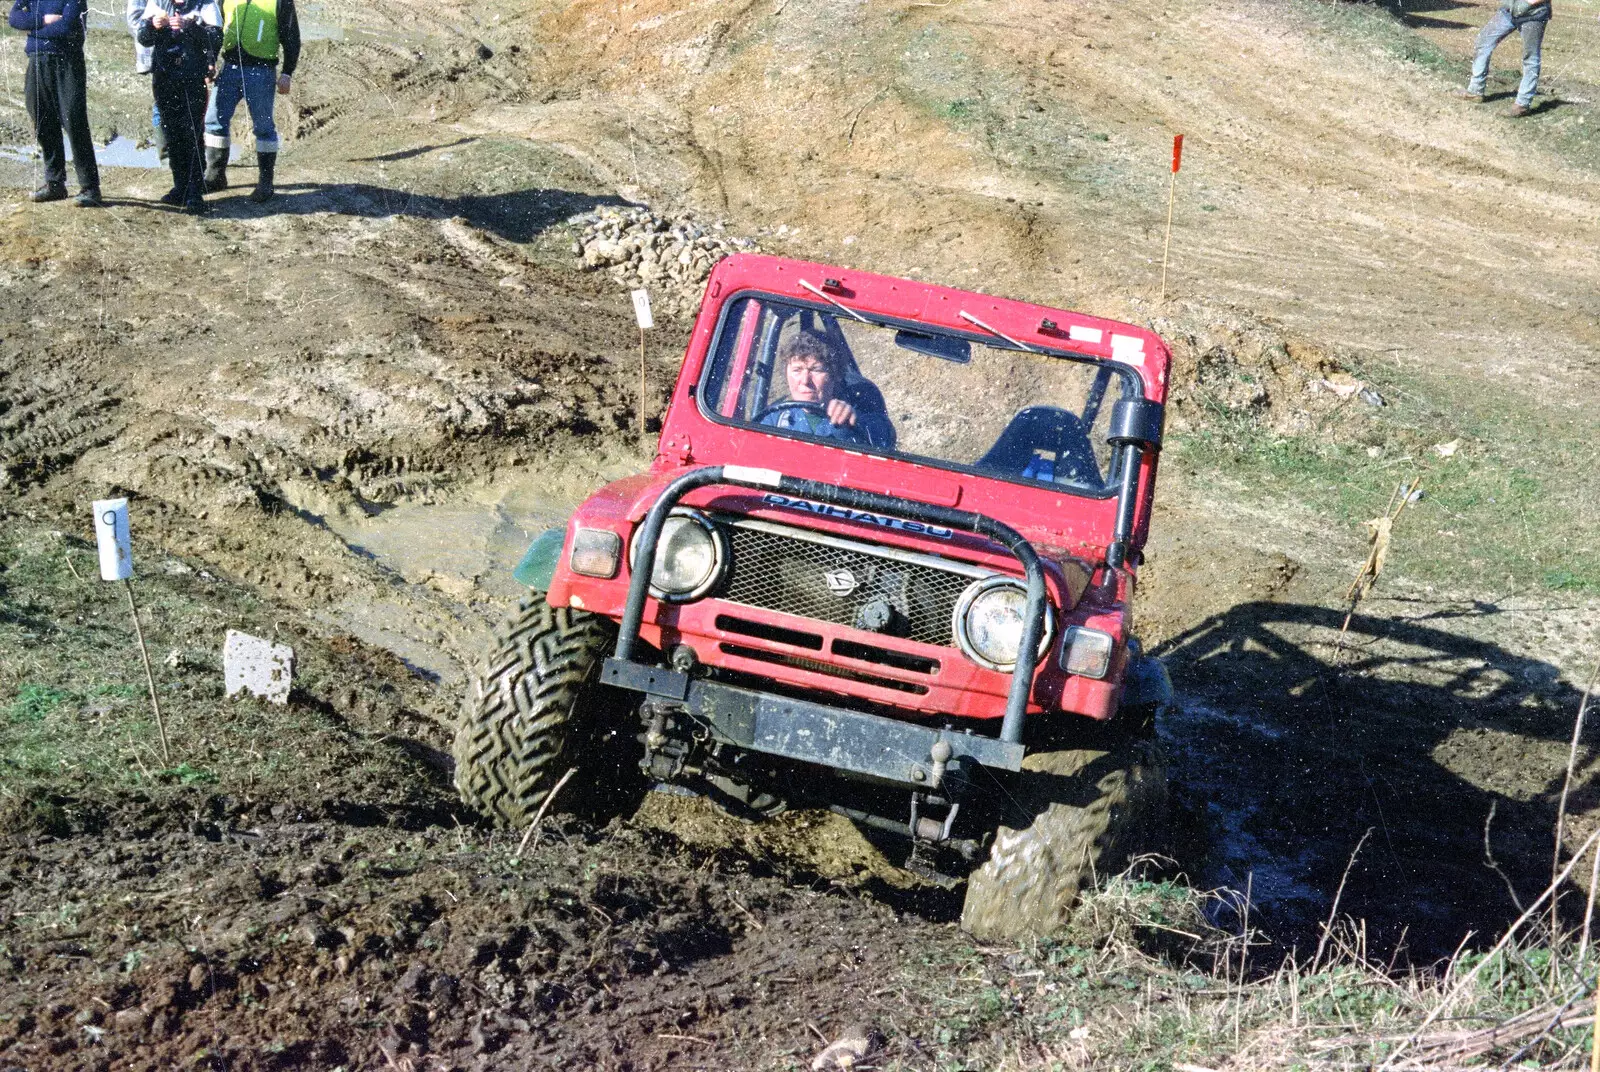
(872,413)
(1045,443)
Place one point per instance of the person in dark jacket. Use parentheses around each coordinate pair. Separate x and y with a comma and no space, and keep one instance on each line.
(252,33)
(57,93)
(184,37)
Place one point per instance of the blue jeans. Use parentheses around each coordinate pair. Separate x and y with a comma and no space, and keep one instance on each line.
(1497,29)
(255,86)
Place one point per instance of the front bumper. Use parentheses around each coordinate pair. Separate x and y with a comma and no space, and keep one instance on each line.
(864,744)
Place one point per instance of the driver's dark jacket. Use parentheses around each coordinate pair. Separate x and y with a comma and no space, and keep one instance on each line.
(815,425)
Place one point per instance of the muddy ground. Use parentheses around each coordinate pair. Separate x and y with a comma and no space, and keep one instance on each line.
(340,417)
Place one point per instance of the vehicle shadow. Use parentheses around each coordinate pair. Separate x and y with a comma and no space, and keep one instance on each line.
(1450,750)
(516,216)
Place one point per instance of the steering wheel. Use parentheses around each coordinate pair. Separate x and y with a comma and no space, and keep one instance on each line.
(816,408)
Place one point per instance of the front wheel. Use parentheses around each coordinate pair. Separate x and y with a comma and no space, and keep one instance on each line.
(1074,815)
(537,710)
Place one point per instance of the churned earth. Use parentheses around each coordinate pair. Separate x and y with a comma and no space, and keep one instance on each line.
(342,415)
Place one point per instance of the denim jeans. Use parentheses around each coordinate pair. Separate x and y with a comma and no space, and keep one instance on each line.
(1497,29)
(255,86)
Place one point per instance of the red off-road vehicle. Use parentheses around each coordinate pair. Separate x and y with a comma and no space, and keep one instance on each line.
(892,533)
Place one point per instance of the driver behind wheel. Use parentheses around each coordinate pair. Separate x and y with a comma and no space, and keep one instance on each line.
(815,376)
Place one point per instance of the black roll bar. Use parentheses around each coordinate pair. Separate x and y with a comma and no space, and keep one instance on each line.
(644,558)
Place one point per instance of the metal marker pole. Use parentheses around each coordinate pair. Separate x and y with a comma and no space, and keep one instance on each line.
(641,313)
(115,545)
(1172,189)
(150,678)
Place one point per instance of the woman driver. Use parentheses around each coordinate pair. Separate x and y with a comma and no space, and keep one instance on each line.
(814,375)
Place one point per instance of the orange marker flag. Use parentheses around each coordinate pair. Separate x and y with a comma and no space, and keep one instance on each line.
(1172,187)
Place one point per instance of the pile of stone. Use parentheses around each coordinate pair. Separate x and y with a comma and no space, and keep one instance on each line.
(669,257)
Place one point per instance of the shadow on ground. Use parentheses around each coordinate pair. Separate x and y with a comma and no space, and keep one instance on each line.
(1420,736)
(516,216)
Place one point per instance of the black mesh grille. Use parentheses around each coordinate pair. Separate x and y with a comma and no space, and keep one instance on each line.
(786,574)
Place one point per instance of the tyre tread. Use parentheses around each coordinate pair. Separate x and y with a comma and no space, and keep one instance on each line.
(516,725)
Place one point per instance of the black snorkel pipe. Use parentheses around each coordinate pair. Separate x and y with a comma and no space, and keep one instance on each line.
(1136,425)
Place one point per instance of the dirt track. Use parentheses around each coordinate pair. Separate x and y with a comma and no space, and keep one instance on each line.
(354,405)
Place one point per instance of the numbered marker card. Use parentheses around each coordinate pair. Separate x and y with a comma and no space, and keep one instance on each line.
(111,536)
(641,309)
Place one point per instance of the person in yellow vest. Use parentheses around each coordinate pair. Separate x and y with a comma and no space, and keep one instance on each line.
(253,32)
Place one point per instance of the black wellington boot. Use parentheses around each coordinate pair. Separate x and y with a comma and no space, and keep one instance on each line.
(216,169)
(266,163)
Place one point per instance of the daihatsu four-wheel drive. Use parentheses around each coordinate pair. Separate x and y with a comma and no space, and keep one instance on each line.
(884,563)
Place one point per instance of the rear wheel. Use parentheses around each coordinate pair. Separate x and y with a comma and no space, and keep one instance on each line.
(1074,815)
(537,710)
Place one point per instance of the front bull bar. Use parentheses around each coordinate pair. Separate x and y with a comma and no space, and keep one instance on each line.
(1011,726)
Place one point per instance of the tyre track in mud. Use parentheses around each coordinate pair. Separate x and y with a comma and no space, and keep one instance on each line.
(48,419)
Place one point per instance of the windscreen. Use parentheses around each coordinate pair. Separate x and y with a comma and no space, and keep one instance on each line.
(966,402)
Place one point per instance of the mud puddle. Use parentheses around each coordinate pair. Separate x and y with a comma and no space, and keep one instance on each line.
(468,545)
(451,563)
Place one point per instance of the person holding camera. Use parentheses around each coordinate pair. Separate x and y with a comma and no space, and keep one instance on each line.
(1530,17)
(253,32)
(57,93)
(184,37)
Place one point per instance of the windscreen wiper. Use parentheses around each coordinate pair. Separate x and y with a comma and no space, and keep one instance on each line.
(1019,344)
(834,302)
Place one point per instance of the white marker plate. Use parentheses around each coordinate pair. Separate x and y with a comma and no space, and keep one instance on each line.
(641,309)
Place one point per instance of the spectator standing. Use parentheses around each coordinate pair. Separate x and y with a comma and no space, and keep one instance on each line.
(133,15)
(183,36)
(56,89)
(252,35)
(1529,17)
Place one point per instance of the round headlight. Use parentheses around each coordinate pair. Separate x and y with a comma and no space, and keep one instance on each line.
(689,558)
(988,622)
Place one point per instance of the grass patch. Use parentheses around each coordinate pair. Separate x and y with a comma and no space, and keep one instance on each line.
(1379,26)
(75,722)
(1143,978)
(33,703)
(1516,508)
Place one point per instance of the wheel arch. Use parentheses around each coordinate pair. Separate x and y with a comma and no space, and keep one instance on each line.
(538,565)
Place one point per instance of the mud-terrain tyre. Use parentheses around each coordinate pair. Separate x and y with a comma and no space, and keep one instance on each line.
(536,709)
(1074,815)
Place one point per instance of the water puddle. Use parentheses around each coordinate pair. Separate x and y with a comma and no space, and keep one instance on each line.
(1238,859)
(120,152)
(465,547)
(452,564)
